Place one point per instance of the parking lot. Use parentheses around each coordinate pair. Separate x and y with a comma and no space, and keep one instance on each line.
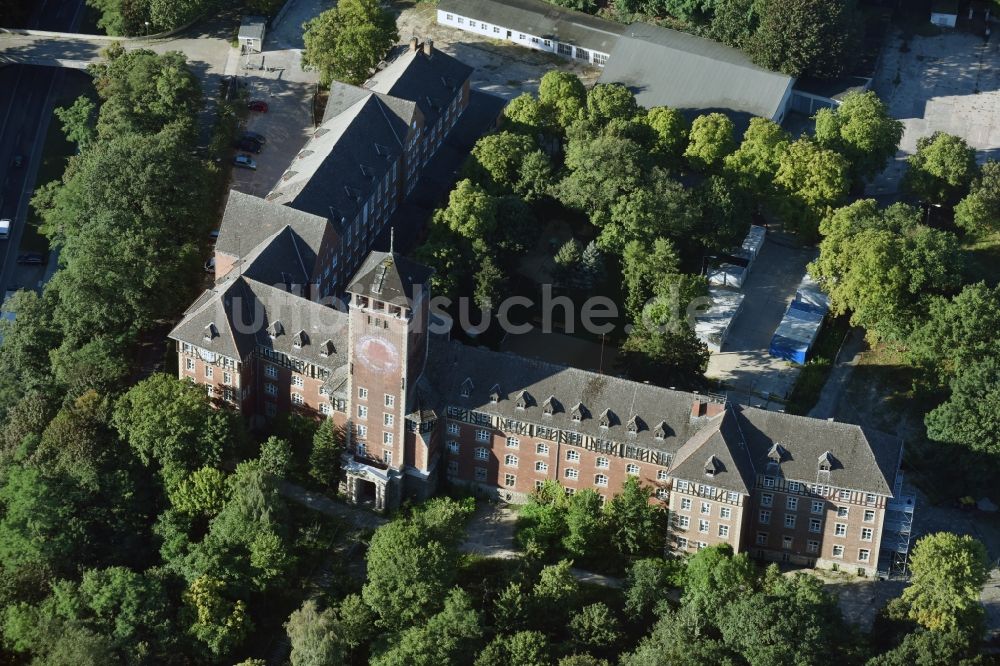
(748,373)
(948,83)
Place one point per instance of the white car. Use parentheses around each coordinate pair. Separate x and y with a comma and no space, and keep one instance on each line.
(4,228)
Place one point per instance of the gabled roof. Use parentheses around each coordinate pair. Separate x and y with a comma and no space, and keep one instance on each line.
(720,447)
(249,220)
(431,81)
(541,19)
(863,459)
(327,177)
(390,278)
(669,68)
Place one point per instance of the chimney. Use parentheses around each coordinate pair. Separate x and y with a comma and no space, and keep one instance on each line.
(428,47)
(413,43)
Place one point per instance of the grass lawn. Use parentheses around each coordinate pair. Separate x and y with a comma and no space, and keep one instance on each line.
(983,260)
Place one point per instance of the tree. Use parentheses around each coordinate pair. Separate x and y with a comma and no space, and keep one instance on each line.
(947,576)
(567,259)
(78,121)
(735,22)
(930,648)
(979,211)
(591,268)
(941,170)
(755,163)
(970,415)
(671,128)
(811,180)
(27,341)
(602,171)
(447,638)
(610,101)
(347,43)
(882,266)
(324,459)
(957,332)
(563,92)
(314,638)
(218,621)
(637,525)
(646,587)
(815,37)
(660,209)
(665,351)
(525,648)
(714,578)
(527,115)
(584,522)
(276,457)
(202,493)
(408,574)
(595,626)
(500,156)
(710,140)
(861,130)
(554,594)
(679,639)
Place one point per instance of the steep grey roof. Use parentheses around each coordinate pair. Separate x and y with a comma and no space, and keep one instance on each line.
(431,81)
(863,459)
(342,97)
(284,258)
(669,68)
(541,19)
(389,277)
(339,167)
(249,220)
(240,312)
(719,446)
(450,364)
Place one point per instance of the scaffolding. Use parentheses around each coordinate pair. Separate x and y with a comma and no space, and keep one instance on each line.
(897,529)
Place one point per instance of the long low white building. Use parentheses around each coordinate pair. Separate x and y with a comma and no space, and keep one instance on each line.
(535,25)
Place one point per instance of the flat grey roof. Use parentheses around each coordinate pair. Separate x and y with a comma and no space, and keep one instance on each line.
(252,27)
(540,19)
(670,68)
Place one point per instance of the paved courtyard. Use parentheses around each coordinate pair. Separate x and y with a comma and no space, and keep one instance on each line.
(501,68)
(748,373)
(948,83)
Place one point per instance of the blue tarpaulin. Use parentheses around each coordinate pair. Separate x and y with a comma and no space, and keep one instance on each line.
(800,326)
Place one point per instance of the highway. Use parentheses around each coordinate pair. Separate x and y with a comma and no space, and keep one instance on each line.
(26,94)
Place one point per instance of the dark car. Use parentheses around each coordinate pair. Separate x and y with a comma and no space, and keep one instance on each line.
(18,161)
(30,258)
(248,145)
(258,105)
(254,136)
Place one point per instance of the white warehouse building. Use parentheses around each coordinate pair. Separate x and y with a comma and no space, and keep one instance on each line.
(536,25)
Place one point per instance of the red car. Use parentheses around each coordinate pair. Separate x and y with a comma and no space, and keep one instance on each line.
(258,105)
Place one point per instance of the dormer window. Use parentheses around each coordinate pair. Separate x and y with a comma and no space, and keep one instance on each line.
(326,349)
(826,462)
(712,466)
(606,417)
(577,414)
(776,454)
(633,425)
(549,406)
(660,431)
(467,387)
(523,400)
(300,339)
(211,332)
(495,394)
(275,329)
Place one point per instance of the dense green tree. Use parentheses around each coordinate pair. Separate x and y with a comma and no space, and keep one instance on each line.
(564,93)
(524,648)
(541,520)
(725,213)
(347,42)
(314,636)
(735,22)
(448,637)
(79,121)
(755,163)
(276,456)
(637,525)
(121,18)
(610,101)
(555,593)
(98,365)
(930,648)
(78,443)
(715,577)
(527,115)
(671,128)
(971,414)
(941,170)
(567,261)
(811,180)
(679,639)
(979,211)
(816,37)
(697,11)
(947,576)
(585,528)
(591,268)
(27,340)
(582,660)
(601,172)
(646,587)
(660,209)
(511,608)
(663,350)
(861,130)
(595,626)
(324,459)
(710,140)
(579,5)
(883,265)
(202,493)
(217,620)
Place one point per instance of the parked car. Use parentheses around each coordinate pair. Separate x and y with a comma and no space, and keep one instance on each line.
(258,105)
(244,162)
(214,235)
(210,265)
(4,228)
(18,161)
(30,258)
(254,136)
(248,145)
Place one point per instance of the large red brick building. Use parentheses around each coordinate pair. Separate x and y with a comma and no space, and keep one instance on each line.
(420,410)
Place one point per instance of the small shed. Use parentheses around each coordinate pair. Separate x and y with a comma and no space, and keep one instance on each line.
(251,34)
(944,13)
(713,323)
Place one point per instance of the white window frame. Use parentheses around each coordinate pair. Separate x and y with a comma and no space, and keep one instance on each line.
(481,453)
(601,480)
(510,460)
(571,473)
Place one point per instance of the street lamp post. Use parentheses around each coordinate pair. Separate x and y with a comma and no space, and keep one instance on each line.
(147,28)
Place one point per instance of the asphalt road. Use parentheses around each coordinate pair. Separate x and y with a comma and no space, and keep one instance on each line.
(25,110)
